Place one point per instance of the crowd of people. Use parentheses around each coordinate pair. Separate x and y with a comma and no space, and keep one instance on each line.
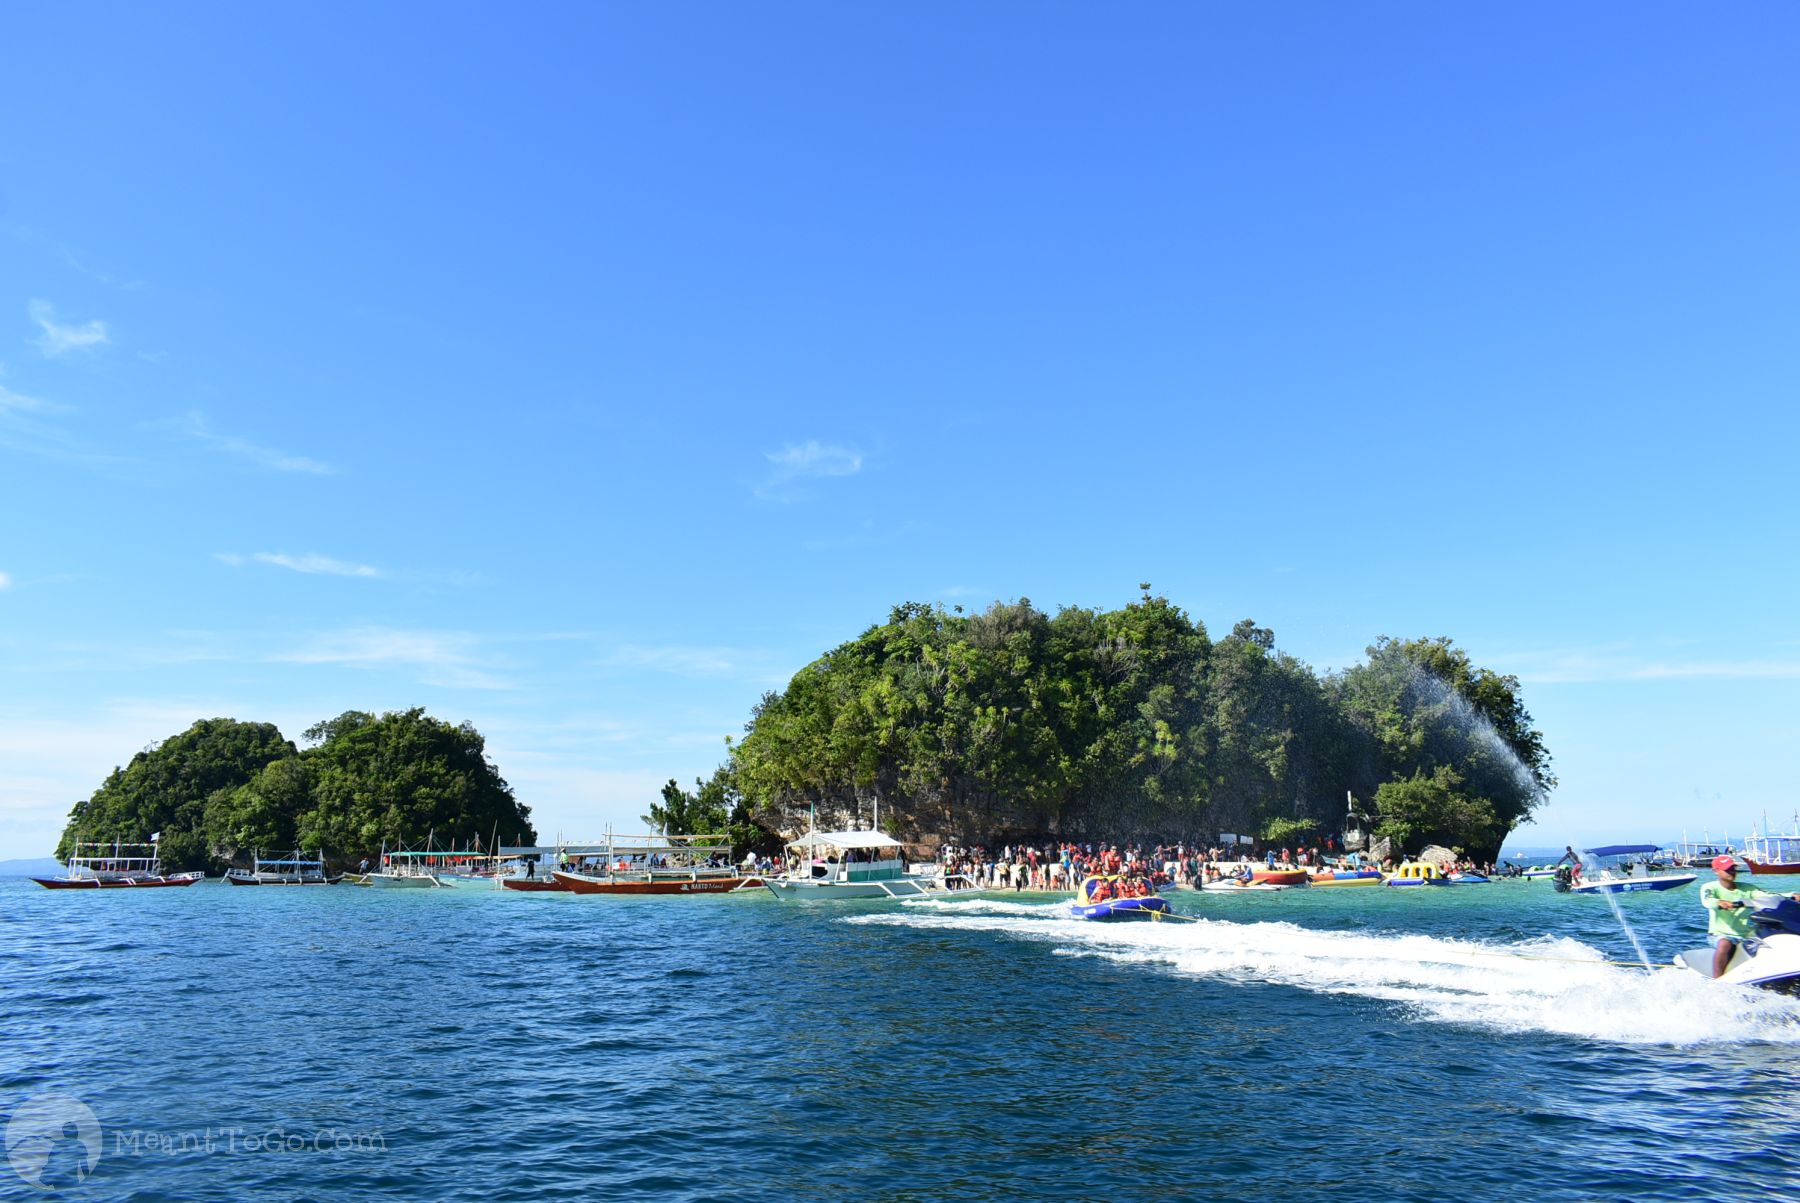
(1063,866)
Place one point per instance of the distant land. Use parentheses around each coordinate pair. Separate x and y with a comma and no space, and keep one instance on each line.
(36,866)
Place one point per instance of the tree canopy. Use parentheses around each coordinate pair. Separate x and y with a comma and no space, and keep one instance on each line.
(1134,722)
(223,788)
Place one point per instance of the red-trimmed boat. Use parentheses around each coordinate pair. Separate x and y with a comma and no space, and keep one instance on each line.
(657,864)
(116,866)
(1772,854)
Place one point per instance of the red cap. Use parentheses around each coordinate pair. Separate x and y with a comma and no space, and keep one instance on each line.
(1723,864)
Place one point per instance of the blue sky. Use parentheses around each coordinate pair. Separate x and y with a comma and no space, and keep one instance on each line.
(583,370)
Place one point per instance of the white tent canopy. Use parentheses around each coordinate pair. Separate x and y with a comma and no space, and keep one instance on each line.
(844,840)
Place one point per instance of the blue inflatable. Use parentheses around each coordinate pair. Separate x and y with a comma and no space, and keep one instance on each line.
(1087,906)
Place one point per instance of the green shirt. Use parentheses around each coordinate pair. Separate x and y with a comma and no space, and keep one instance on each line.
(1736,921)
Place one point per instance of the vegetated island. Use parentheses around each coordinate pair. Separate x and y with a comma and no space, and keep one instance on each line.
(1003,726)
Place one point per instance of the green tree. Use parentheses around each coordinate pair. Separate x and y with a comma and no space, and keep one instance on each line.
(168,788)
(1423,810)
(400,777)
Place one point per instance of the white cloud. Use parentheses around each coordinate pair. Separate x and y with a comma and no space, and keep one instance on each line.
(265,457)
(11,402)
(58,339)
(445,658)
(683,661)
(809,460)
(310,564)
(5,582)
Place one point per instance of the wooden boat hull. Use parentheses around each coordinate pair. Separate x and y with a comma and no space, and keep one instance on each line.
(577,883)
(1764,868)
(88,883)
(535,885)
(246,881)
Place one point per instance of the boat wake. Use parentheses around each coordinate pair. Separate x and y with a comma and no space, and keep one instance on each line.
(1554,985)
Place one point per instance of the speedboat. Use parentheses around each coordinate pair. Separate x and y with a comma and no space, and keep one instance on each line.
(1619,869)
(1093,902)
(1770,960)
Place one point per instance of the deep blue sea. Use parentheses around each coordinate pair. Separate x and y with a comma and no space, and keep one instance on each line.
(1354,1044)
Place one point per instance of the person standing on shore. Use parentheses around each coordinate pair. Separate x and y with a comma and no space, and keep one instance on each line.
(1728,910)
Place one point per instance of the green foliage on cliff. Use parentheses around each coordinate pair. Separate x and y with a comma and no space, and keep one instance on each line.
(223,788)
(1130,722)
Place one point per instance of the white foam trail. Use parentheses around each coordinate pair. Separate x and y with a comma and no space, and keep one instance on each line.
(1548,985)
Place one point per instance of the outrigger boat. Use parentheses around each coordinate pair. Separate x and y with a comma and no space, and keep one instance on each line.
(1098,898)
(1772,854)
(1620,869)
(855,864)
(1770,960)
(402,870)
(116,866)
(655,864)
(295,869)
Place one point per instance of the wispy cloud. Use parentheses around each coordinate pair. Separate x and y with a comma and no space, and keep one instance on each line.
(18,403)
(5,582)
(805,461)
(683,661)
(197,427)
(58,339)
(311,564)
(446,658)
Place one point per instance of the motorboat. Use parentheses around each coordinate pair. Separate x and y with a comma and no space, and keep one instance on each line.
(1418,873)
(833,865)
(1770,960)
(1618,869)
(116,866)
(1108,898)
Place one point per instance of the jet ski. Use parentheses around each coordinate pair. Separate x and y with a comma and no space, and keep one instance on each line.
(1770,960)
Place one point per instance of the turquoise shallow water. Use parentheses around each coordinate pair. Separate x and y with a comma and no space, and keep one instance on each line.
(1358,1044)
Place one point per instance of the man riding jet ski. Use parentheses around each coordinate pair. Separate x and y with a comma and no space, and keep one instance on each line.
(1770,959)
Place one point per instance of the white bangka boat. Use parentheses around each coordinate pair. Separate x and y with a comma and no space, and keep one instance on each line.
(294,869)
(855,864)
(116,866)
(402,870)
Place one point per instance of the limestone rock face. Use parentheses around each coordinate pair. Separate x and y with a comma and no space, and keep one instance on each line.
(1438,855)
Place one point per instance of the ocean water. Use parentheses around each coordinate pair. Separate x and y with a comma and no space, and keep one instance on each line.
(1359,1044)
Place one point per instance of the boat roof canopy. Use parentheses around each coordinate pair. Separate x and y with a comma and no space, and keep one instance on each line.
(845,839)
(1620,849)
